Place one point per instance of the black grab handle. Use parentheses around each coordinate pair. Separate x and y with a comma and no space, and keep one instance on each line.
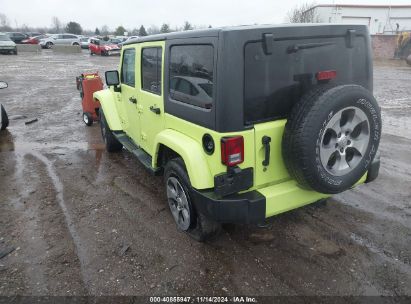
(266,143)
(155,110)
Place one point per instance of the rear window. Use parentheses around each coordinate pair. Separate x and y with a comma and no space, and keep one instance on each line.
(191,74)
(273,83)
(151,70)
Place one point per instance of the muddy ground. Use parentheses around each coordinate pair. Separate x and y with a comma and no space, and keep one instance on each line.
(85,222)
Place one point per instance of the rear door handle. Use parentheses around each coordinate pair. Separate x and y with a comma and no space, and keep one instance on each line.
(133,100)
(155,110)
(266,143)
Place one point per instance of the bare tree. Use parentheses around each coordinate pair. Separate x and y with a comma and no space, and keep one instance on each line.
(152,30)
(56,25)
(303,13)
(104,30)
(187,26)
(4,23)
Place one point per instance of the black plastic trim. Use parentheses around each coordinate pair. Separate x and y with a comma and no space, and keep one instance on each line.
(235,180)
(374,169)
(245,208)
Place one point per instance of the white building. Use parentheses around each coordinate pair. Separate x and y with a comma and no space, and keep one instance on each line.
(381,19)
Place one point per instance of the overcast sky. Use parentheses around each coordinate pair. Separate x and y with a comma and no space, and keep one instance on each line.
(132,13)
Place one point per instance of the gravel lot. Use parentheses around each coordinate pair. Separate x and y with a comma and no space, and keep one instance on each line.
(84,222)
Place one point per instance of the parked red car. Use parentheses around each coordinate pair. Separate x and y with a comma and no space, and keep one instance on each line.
(103,48)
(34,40)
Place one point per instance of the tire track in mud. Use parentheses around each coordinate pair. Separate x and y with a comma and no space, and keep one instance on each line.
(58,187)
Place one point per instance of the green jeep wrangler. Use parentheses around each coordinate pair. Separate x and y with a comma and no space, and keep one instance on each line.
(246,122)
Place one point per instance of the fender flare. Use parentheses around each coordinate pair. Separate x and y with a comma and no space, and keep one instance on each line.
(107,101)
(191,152)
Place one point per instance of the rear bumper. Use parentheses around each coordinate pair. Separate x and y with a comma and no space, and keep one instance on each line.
(247,208)
(254,206)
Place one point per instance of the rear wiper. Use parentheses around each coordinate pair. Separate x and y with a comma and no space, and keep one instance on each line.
(296,47)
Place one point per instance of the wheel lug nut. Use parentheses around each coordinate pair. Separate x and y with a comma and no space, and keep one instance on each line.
(339,135)
(347,132)
(342,150)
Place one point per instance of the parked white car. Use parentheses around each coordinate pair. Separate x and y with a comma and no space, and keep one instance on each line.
(84,42)
(7,45)
(59,39)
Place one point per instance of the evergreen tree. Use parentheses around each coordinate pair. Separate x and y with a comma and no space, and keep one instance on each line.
(142,31)
(165,28)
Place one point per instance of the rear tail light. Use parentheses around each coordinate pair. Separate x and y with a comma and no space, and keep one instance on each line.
(232,150)
(326,75)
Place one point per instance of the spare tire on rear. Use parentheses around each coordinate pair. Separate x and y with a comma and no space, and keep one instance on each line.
(331,137)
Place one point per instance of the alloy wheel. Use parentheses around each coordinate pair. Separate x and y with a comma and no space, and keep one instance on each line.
(178,202)
(345,141)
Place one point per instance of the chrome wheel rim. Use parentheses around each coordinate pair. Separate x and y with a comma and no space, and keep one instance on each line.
(85,118)
(178,202)
(344,141)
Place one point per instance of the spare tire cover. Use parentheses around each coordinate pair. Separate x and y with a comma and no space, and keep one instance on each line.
(331,137)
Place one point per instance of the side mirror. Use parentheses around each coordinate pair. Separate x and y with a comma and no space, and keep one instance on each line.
(3,85)
(112,78)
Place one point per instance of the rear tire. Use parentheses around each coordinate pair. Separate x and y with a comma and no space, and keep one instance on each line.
(88,119)
(180,201)
(49,45)
(4,118)
(112,144)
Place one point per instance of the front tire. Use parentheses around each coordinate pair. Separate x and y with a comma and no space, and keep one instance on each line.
(88,119)
(49,45)
(180,200)
(112,144)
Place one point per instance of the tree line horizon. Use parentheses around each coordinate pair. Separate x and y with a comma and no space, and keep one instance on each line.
(302,13)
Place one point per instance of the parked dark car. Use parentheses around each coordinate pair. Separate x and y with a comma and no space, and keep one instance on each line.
(17,37)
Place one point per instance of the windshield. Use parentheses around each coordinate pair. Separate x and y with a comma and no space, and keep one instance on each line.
(103,42)
(4,38)
(207,87)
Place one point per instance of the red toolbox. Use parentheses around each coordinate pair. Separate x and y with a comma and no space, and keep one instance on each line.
(87,84)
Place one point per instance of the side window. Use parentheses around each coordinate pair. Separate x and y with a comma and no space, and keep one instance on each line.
(151,69)
(128,67)
(191,74)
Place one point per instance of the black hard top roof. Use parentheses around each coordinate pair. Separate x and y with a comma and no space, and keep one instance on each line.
(213,32)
